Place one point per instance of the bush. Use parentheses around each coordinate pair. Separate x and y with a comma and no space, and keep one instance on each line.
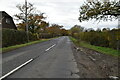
(47,35)
(109,39)
(12,37)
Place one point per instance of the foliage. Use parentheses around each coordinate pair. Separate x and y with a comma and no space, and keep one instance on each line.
(75,30)
(36,23)
(99,11)
(96,48)
(54,30)
(43,26)
(51,31)
(64,32)
(12,37)
(105,38)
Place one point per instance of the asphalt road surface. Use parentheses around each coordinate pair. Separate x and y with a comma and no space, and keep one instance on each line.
(50,59)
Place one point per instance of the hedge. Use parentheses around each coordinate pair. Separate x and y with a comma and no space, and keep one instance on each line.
(13,37)
(110,39)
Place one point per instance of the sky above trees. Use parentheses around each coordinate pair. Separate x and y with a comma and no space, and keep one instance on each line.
(62,12)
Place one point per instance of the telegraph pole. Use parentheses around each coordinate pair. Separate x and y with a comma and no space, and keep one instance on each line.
(118,41)
(118,5)
(26,20)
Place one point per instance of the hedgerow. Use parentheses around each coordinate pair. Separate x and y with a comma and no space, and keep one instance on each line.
(13,37)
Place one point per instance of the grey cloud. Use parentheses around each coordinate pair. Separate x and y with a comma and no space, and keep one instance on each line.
(63,12)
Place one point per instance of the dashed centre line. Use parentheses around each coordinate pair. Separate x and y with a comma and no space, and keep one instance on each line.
(9,73)
(50,47)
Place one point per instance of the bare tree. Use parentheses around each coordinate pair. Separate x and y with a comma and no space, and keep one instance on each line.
(22,8)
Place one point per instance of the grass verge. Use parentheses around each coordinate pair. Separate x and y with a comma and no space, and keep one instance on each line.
(104,50)
(10,48)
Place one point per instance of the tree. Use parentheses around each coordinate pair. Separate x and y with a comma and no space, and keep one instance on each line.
(90,30)
(54,30)
(99,11)
(105,29)
(35,22)
(76,29)
(98,30)
(22,7)
(35,19)
(43,26)
(64,32)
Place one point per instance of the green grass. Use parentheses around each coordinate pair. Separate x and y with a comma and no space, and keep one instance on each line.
(104,50)
(6,49)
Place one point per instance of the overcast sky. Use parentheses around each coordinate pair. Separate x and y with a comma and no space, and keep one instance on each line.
(62,12)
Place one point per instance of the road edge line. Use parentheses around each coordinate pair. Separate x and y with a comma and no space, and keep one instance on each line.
(9,73)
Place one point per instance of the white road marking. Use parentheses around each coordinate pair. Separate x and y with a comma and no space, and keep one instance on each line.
(50,47)
(9,73)
(113,77)
(92,58)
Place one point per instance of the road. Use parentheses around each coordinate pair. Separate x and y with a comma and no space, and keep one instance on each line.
(51,59)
